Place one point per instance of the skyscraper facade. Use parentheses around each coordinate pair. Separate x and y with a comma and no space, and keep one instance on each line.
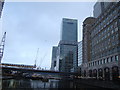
(99,8)
(67,48)
(104,36)
(69,30)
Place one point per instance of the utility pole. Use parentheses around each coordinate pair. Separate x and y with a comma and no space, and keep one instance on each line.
(2,45)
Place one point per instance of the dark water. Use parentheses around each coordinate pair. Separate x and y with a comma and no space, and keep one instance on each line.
(40,85)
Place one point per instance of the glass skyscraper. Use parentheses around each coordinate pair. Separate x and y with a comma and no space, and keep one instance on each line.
(67,48)
(69,30)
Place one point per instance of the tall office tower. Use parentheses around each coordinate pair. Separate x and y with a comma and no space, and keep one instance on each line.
(79,53)
(1,6)
(67,48)
(105,43)
(54,57)
(69,30)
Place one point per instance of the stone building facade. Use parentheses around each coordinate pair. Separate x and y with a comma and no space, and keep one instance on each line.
(101,43)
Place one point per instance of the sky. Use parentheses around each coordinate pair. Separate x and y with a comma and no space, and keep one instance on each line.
(33,25)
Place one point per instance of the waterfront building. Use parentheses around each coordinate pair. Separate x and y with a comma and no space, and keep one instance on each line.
(54,57)
(101,50)
(67,48)
(86,47)
(99,8)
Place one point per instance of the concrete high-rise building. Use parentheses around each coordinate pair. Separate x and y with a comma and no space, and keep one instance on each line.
(104,42)
(54,57)
(80,53)
(99,8)
(87,26)
(86,47)
(67,48)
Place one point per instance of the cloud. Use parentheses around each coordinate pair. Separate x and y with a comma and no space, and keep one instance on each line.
(37,25)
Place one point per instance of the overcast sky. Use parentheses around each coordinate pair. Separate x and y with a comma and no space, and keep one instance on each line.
(37,25)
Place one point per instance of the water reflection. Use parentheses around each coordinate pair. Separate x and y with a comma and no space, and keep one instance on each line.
(33,84)
(14,84)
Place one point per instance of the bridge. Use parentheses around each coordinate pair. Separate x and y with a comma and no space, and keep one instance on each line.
(36,71)
(25,71)
(17,65)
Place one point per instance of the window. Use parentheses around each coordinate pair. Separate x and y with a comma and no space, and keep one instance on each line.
(111,58)
(104,61)
(98,62)
(89,64)
(70,22)
(116,58)
(112,31)
(116,29)
(107,60)
(95,63)
(101,61)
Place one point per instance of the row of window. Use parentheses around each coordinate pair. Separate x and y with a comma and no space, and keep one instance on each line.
(105,20)
(107,32)
(103,61)
(107,44)
(105,53)
(107,11)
